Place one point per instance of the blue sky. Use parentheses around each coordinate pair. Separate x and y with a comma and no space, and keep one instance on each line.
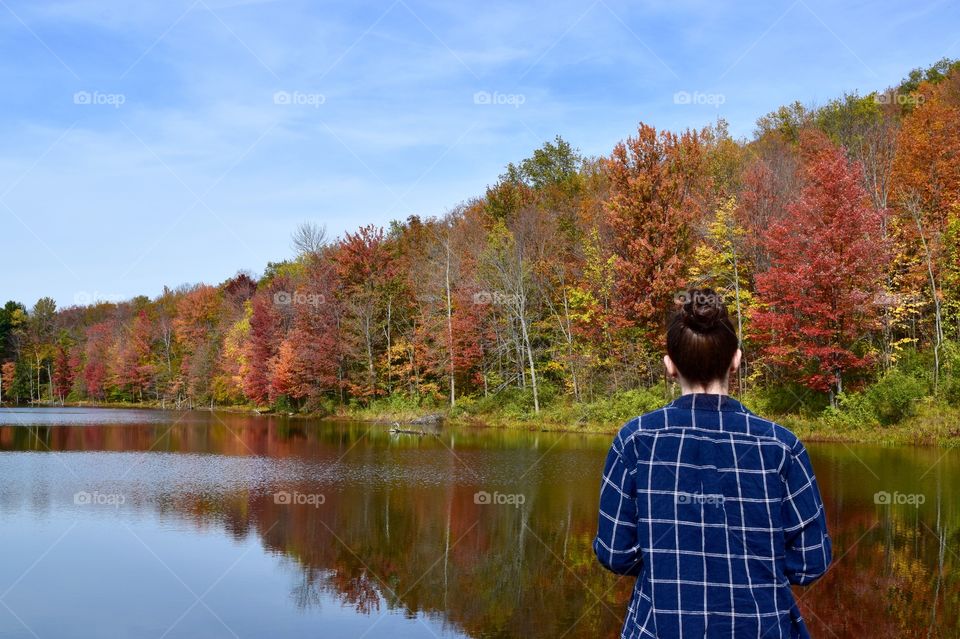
(158,143)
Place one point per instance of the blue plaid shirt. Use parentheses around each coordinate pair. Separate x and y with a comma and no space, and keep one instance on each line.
(717,512)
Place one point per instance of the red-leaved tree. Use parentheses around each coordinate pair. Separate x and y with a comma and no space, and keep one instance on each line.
(262,345)
(827,258)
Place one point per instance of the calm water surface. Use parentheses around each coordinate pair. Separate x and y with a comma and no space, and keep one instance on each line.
(128,523)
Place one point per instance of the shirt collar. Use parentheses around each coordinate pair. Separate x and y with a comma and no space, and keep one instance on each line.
(708,401)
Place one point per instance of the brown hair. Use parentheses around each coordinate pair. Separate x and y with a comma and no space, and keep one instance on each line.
(701,340)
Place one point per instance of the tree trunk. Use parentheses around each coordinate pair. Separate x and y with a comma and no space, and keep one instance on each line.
(368,338)
(736,287)
(453,393)
(389,349)
(529,349)
(937,326)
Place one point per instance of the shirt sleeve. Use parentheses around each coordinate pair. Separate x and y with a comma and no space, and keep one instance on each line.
(616,541)
(808,549)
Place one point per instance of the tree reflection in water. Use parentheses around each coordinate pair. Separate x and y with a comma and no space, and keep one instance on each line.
(400,526)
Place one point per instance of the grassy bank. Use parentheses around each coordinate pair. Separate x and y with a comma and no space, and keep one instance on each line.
(862,418)
(919,421)
(931,425)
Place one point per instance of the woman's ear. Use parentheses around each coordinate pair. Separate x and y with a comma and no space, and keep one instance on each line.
(671,367)
(735,362)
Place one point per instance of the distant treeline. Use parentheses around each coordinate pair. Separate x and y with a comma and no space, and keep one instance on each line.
(833,234)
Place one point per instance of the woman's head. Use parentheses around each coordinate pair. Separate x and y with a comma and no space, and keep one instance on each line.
(702,345)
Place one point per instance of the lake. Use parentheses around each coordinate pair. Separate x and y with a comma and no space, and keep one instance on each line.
(141,523)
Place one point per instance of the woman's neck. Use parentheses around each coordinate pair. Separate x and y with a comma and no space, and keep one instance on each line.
(719,387)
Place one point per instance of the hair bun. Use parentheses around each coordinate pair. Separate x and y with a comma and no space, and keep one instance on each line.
(702,310)
(701,340)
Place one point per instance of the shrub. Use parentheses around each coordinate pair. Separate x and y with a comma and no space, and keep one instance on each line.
(887,401)
(950,372)
(784,399)
(512,403)
(283,404)
(322,406)
(893,396)
(396,406)
(623,406)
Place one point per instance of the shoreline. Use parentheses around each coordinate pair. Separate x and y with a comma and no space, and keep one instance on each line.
(940,429)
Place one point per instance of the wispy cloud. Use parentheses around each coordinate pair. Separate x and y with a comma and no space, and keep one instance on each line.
(287,110)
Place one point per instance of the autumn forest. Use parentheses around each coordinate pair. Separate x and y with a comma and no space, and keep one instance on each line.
(833,234)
